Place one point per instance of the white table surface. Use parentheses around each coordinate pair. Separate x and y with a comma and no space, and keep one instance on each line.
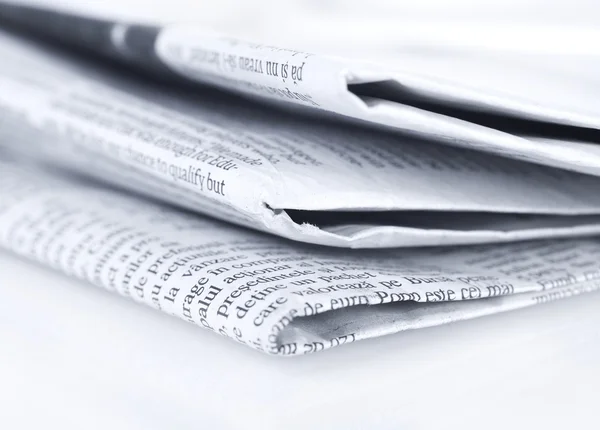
(74,356)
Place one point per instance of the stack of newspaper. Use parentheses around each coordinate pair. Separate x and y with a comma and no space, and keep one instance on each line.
(292,202)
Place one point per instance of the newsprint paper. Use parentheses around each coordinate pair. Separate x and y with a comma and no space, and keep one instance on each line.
(237,214)
(263,291)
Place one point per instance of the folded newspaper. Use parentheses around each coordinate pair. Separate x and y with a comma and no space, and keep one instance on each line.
(117,139)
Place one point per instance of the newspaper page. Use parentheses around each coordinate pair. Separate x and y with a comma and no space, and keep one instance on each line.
(420,101)
(307,180)
(477,101)
(273,295)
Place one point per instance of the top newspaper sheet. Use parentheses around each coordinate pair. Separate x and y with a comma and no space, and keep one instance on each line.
(420,100)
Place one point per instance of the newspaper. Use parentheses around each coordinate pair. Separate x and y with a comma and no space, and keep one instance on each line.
(492,105)
(315,182)
(416,101)
(108,176)
(260,290)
